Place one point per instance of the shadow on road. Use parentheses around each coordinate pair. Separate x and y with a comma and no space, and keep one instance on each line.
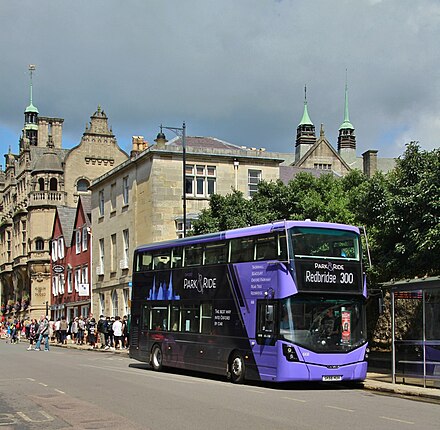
(280,386)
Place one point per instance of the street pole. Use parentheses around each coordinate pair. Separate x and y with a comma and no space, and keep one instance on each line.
(181,131)
(184,176)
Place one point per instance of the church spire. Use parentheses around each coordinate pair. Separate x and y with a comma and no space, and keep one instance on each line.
(305,120)
(346,123)
(31,115)
(305,132)
(347,138)
(31,108)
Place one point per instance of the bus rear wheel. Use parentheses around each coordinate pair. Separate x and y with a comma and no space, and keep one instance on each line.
(237,368)
(156,358)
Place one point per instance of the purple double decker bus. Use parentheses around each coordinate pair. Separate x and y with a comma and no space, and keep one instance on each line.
(275,302)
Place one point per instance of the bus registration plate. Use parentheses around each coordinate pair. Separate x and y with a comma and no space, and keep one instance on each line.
(328,378)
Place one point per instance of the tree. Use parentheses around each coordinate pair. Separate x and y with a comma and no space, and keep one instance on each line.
(305,197)
(402,210)
(227,212)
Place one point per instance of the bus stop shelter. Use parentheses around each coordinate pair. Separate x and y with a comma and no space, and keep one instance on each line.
(415,328)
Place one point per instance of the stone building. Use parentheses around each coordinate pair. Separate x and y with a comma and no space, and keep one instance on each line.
(140,201)
(70,261)
(318,154)
(41,177)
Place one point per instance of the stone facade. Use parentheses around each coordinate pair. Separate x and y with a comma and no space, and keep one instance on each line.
(41,177)
(140,202)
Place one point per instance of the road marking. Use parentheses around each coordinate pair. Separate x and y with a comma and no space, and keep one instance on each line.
(33,420)
(59,391)
(397,420)
(31,379)
(255,391)
(13,379)
(339,409)
(44,385)
(295,400)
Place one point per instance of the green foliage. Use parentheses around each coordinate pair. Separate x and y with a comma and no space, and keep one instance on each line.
(227,212)
(400,210)
(304,197)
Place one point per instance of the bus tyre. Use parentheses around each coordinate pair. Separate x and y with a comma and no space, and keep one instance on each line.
(156,358)
(237,368)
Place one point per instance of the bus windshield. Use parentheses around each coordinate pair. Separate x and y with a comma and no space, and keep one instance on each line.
(323,325)
(309,242)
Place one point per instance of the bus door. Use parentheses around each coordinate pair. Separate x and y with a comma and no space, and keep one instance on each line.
(264,348)
(144,326)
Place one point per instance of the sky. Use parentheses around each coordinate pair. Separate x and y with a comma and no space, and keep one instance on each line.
(231,69)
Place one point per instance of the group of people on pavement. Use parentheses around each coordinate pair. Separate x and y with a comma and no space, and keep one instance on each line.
(109,333)
(11,329)
(113,332)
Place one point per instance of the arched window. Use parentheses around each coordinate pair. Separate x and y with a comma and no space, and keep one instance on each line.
(82,185)
(115,303)
(39,244)
(53,184)
(41,184)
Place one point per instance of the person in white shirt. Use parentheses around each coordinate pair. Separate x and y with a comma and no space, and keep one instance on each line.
(56,328)
(117,332)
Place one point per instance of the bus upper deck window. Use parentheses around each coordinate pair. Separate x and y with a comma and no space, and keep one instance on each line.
(193,255)
(242,249)
(176,258)
(267,248)
(162,260)
(144,261)
(216,253)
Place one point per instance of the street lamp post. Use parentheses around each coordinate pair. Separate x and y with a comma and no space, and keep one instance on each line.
(181,131)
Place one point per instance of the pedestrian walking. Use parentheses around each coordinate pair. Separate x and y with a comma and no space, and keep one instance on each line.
(13,332)
(32,336)
(43,333)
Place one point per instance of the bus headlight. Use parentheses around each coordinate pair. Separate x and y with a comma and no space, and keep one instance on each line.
(289,352)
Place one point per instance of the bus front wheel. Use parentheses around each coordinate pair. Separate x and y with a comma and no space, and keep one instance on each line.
(156,358)
(237,368)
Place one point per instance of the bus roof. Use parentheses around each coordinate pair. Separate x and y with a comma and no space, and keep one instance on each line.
(245,231)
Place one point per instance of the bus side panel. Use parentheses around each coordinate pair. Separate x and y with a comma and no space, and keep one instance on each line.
(188,287)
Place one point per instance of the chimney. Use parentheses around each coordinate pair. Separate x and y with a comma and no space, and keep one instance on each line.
(370,162)
(138,145)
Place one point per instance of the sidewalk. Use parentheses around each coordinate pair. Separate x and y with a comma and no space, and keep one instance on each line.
(378,379)
(383,382)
